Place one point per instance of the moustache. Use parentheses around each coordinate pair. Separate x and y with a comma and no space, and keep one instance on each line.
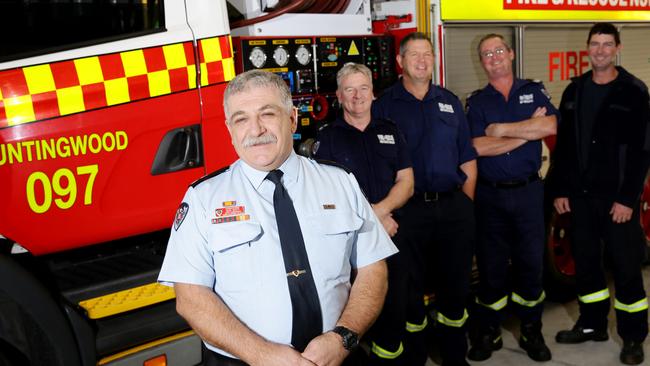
(259,140)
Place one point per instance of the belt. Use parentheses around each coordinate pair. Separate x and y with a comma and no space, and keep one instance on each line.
(433,196)
(506,184)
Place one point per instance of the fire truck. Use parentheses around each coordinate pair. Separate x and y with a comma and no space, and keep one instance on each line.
(109,110)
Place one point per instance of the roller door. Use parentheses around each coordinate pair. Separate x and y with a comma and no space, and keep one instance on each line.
(463,71)
(635,54)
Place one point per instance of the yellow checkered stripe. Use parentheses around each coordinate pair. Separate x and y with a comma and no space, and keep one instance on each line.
(39,92)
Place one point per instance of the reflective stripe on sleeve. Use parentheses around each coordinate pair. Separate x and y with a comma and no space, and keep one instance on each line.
(382,353)
(412,328)
(528,303)
(496,306)
(632,308)
(594,296)
(452,323)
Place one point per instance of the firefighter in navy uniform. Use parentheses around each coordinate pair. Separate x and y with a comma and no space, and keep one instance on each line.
(599,166)
(375,151)
(508,119)
(438,221)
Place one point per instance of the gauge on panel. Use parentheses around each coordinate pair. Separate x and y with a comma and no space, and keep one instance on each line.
(281,56)
(303,55)
(257,57)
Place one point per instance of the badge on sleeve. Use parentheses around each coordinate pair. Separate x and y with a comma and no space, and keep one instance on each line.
(180,215)
(545,92)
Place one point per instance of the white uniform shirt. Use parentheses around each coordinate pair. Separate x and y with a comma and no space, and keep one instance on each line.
(225,237)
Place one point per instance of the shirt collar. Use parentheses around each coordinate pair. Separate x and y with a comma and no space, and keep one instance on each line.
(289,168)
(516,85)
(400,92)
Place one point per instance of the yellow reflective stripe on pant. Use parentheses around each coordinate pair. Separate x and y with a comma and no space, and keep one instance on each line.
(453,323)
(528,303)
(496,306)
(380,352)
(632,308)
(412,328)
(594,296)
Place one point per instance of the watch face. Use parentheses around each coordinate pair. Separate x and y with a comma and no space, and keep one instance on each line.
(350,338)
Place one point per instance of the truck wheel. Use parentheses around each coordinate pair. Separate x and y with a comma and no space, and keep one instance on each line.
(644,214)
(559,265)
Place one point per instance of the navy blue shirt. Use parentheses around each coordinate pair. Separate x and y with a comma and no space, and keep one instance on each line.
(436,132)
(374,155)
(489,106)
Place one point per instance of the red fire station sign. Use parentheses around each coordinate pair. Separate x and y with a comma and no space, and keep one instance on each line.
(545,10)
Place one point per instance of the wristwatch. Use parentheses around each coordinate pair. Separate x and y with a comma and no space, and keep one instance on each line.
(350,338)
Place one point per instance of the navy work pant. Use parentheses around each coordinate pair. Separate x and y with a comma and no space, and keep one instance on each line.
(510,238)
(624,245)
(440,234)
(397,337)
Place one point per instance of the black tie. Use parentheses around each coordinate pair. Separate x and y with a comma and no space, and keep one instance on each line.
(307,318)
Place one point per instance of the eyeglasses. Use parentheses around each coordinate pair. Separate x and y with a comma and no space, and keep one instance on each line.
(497,51)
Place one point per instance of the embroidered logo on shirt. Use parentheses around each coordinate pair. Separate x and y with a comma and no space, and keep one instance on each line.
(230,213)
(446,108)
(386,139)
(181,213)
(329,206)
(525,99)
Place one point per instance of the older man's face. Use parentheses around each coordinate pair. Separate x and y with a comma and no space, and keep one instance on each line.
(260,127)
(355,94)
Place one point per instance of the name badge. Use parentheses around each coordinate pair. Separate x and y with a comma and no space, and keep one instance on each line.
(386,139)
(446,108)
(525,99)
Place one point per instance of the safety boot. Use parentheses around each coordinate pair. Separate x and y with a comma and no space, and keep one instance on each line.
(578,334)
(532,341)
(632,353)
(485,343)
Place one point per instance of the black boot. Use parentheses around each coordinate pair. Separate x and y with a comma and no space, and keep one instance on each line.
(578,334)
(632,353)
(532,342)
(486,342)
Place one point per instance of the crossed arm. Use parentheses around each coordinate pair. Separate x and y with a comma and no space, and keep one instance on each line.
(501,138)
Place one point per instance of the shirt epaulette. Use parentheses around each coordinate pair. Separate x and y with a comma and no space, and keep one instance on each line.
(474,93)
(333,163)
(206,177)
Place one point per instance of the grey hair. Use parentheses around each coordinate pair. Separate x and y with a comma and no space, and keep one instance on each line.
(258,78)
(352,68)
(490,36)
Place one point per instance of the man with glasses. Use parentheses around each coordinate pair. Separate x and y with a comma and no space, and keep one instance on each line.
(508,119)
(375,151)
(599,166)
(438,221)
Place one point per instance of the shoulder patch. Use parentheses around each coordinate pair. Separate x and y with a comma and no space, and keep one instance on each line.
(181,213)
(333,163)
(206,177)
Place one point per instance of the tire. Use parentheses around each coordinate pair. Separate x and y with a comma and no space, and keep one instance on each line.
(559,267)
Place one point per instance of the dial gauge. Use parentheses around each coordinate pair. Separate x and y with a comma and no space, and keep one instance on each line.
(303,55)
(257,57)
(281,56)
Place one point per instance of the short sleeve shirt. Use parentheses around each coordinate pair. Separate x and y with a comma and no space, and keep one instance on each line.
(374,155)
(489,106)
(225,237)
(436,133)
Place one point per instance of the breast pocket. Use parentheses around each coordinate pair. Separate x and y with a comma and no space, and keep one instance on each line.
(333,235)
(235,251)
(449,130)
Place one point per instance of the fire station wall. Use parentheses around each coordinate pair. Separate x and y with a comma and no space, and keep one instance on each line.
(635,54)
(464,73)
(551,53)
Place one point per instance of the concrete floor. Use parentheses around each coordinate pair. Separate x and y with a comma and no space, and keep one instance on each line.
(558,317)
